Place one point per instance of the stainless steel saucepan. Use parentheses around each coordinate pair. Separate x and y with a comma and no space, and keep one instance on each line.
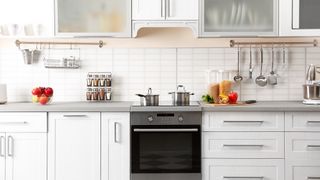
(151,99)
(181,97)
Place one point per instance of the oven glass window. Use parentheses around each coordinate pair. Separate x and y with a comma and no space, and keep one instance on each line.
(166,152)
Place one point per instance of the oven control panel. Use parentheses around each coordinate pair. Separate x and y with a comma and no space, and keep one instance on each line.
(166,118)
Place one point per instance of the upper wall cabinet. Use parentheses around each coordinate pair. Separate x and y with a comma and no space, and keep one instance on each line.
(93,18)
(165,13)
(299,18)
(26,18)
(239,18)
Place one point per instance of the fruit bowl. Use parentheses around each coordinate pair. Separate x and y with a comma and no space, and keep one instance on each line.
(42,95)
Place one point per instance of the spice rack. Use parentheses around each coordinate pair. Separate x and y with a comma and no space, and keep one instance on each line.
(99,86)
(68,63)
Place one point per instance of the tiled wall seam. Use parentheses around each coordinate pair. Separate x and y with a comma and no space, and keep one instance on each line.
(162,69)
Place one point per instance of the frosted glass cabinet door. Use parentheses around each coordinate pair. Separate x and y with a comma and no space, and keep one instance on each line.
(93,18)
(239,17)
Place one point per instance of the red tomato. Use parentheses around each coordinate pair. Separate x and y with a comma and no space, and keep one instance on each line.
(233,97)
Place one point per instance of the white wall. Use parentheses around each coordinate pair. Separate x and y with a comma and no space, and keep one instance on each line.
(134,70)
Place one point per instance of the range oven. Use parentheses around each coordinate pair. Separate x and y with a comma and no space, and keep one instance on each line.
(165,146)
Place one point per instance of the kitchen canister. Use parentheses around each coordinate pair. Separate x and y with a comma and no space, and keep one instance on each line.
(3,93)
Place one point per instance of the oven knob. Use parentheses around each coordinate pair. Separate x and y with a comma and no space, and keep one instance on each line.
(150,118)
(180,118)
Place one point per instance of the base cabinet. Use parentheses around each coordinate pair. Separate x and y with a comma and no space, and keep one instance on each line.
(74,146)
(236,169)
(115,142)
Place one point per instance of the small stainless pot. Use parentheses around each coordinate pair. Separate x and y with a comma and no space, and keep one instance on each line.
(181,98)
(151,99)
(311,91)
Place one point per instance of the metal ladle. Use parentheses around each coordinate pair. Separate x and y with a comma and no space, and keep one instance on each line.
(250,65)
(238,77)
(261,80)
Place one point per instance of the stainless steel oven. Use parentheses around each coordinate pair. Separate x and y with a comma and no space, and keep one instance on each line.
(305,14)
(166,145)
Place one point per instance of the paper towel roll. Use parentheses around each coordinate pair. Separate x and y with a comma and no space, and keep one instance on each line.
(3,93)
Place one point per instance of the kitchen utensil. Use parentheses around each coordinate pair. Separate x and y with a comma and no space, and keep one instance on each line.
(250,66)
(272,78)
(238,77)
(151,99)
(311,74)
(3,93)
(250,101)
(30,56)
(181,97)
(283,54)
(261,80)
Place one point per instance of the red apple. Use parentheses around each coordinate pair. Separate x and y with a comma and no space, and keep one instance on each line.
(36,92)
(43,100)
(42,89)
(48,91)
(233,97)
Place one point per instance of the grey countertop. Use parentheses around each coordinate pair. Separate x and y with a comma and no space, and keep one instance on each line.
(275,106)
(127,106)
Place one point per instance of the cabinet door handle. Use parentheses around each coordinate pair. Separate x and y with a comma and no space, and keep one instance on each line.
(14,123)
(10,146)
(243,177)
(74,115)
(243,145)
(255,122)
(116,132)
(161,8)
(313,177)
(313,122)
(2,146)
(313,146)
(169,8)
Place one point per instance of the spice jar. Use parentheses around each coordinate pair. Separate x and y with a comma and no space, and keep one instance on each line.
(103,80)
(96,81)
(108,81)
(89,94)
(89,80)
(101,94)
(108,94)
(95,95)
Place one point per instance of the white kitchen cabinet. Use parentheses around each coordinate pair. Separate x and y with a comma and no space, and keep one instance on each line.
(299,17)
(23,146)
(239,18)
(243,145)
(302,170)
(26,156)
(243,121)
(148,10)
(74,146)
(93,18)
(300,121)
(2,156)
(165,9)
(233,169)
(115,146)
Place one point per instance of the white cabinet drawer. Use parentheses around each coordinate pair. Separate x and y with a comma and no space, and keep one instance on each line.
(300,121)
(303,170)
(243,145)
(243,121)
(303,145)
(244,169)
(23,122)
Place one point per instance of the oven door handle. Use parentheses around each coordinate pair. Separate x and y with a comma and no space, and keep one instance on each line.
(166,130)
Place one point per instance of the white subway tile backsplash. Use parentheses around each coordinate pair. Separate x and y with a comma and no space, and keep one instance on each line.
(135,70)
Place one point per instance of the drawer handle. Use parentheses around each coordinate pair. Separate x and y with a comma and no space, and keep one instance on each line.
(243,177)
(10,146)
(116,132)
(313,177)
(256,122)
(17,123)
(313,122)
(2,146)
(243,145)
(74,115)
(313,146)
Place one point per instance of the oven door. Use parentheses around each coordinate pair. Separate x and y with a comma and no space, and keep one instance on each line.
(166,149)
(305,14)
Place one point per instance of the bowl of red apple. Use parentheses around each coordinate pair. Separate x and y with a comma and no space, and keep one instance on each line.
(42,95)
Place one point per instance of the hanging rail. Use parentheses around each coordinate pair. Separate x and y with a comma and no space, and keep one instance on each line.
(233,43)
(100,43)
